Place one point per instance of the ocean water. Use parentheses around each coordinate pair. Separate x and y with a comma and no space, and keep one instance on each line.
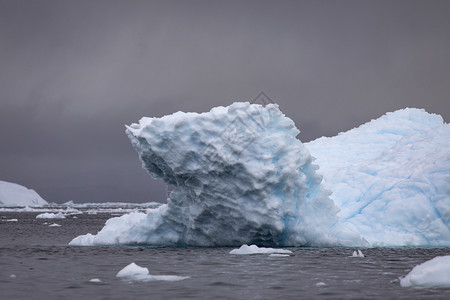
(36,263)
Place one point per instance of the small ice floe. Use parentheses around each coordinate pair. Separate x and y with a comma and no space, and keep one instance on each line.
(74,217)
(319,284)
(432,273)
(59,215)
(95,280)
(133,272)
(279,255)
(12,276)
(92,212)
(54,225)
(357,254)
(253,249)
(11,220)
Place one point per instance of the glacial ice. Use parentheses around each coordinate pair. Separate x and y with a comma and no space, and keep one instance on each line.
(240,176)
(432,273)
(391,178)
(12,194)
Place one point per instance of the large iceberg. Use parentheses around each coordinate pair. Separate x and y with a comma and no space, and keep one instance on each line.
(391,178)
(240,176)
(12,194)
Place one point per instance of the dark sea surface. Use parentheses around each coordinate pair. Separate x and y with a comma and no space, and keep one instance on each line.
(36,263)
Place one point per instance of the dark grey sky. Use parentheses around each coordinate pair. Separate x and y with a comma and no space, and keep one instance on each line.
(72,73)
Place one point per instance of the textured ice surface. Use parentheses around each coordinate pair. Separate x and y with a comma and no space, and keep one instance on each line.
(391,178)
(133,272)
(253,249)
(432,273)
(12,194)
(240,176)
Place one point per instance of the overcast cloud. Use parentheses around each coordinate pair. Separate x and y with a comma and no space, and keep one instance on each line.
(72,73)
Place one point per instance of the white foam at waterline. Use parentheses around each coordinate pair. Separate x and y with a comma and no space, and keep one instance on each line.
(253,249)
(432,273)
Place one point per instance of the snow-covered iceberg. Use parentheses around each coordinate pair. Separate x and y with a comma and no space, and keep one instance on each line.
(12,194)
(391,178)
(240,176)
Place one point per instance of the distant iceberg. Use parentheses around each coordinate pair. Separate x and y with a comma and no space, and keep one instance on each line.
(12,194)
(241,177)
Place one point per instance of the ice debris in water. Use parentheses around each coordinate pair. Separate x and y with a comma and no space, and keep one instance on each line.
(59,215)
(133,272)
(240,176)
(357,254)
(54,225)
(11,220)
(95,280)
(253,249)
(432,273)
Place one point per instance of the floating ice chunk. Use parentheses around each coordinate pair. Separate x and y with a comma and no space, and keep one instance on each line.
(54,225)
(95,280)
(357,254)
(12,276)
(279,255)
(432,273)
(133,272)
(59,215)
(319,284)
(12,194)
(74,217)
(11,220)
(253,249)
